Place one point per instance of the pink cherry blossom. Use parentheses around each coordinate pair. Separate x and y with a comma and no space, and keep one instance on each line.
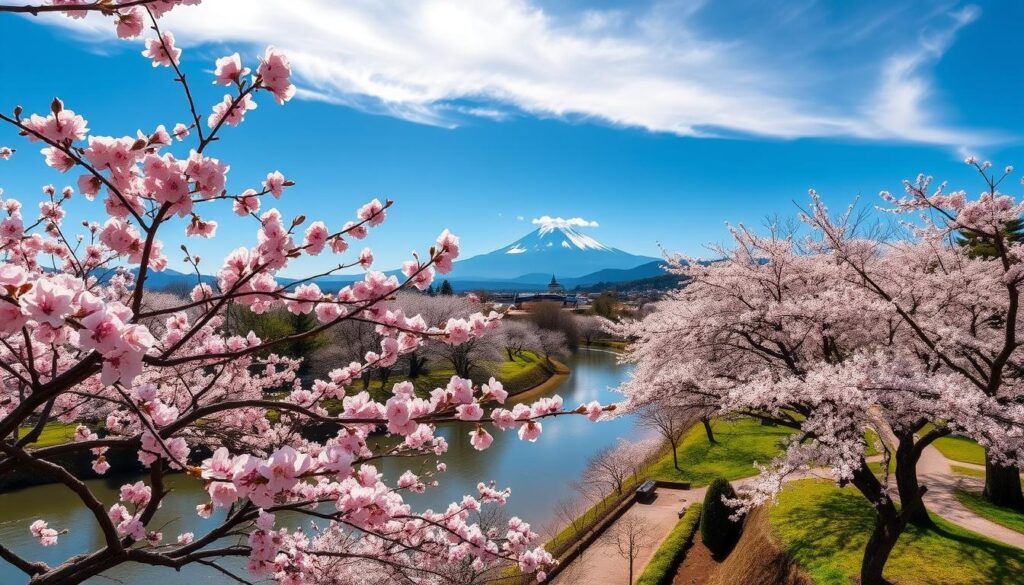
(229,70)
(480,439)
(162,50)
(47,536)
(275,72)
(129,23)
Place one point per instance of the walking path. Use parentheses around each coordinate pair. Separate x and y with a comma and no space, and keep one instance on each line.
(601,563)
(934,471)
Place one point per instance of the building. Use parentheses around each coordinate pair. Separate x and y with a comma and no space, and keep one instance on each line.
(554,287)
(555,294)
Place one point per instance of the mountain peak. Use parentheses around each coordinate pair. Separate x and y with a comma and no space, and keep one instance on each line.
(547,237)
(552,248)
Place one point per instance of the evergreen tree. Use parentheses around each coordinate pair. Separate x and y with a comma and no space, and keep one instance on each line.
(982,247)
(446,288)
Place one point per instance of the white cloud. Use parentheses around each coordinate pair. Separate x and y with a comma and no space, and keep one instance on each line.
(900,105)
(548,221)
(657,67)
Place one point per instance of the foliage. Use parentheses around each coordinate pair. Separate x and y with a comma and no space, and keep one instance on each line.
(1012,519)
(825,529)
(661,569)
(445,289)
(605,305)
(719,530)
(550,317)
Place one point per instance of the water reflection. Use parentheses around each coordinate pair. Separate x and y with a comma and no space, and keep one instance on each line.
(539,474)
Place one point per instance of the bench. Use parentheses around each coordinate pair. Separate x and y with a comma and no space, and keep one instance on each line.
(646,489)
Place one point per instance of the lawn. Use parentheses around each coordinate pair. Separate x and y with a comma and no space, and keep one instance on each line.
(54,433)
(968,471)
(1011,519)
(740,443)
(525,371)
(961,449)
(825,528)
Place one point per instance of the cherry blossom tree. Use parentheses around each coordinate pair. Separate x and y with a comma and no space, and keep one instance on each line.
(962,308)
(84,341)
(782,329)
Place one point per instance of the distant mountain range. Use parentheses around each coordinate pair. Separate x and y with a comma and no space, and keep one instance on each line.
(573,258)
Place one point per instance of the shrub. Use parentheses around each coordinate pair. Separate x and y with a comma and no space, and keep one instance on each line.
(666,560)
(718,531)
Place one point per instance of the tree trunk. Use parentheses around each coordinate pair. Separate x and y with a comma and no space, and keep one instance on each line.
(878,549)
(416,366)
(889,524)
(675,458)
(1002,485)
(911,492)
(707,430)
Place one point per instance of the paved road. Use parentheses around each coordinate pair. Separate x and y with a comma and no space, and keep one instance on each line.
(602,564)
(934,472)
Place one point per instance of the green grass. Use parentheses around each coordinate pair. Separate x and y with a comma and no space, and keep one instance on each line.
(969,471)
(871,438)
(525,371)
(961,449)
(740,444)
(662,566)
(613,344)
(54,433)
(1011,519)
(825,528)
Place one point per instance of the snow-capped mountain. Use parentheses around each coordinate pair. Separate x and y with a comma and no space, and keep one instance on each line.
(550,249)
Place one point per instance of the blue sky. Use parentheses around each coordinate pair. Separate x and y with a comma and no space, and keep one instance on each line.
(660,121)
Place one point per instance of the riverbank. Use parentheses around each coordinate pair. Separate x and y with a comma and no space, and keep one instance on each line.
(539,475)
(558,372)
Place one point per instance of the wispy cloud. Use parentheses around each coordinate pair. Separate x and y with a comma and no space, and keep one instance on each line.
(548,221)
(901,104)
(665,67)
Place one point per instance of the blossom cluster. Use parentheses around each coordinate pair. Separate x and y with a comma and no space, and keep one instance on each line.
(173,377)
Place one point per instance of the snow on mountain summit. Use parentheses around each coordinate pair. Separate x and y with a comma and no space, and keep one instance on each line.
(549,236)
(552,248)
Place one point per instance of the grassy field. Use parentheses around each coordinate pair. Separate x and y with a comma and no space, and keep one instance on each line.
(740,444)
(961,449)
(525,371)
(968,471)
(1011,519)
(825,528)
(54,433)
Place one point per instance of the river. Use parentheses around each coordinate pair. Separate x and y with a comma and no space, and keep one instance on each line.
(539,474)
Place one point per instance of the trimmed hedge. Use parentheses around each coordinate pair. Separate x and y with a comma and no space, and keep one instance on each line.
(717,530)
(666,560)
